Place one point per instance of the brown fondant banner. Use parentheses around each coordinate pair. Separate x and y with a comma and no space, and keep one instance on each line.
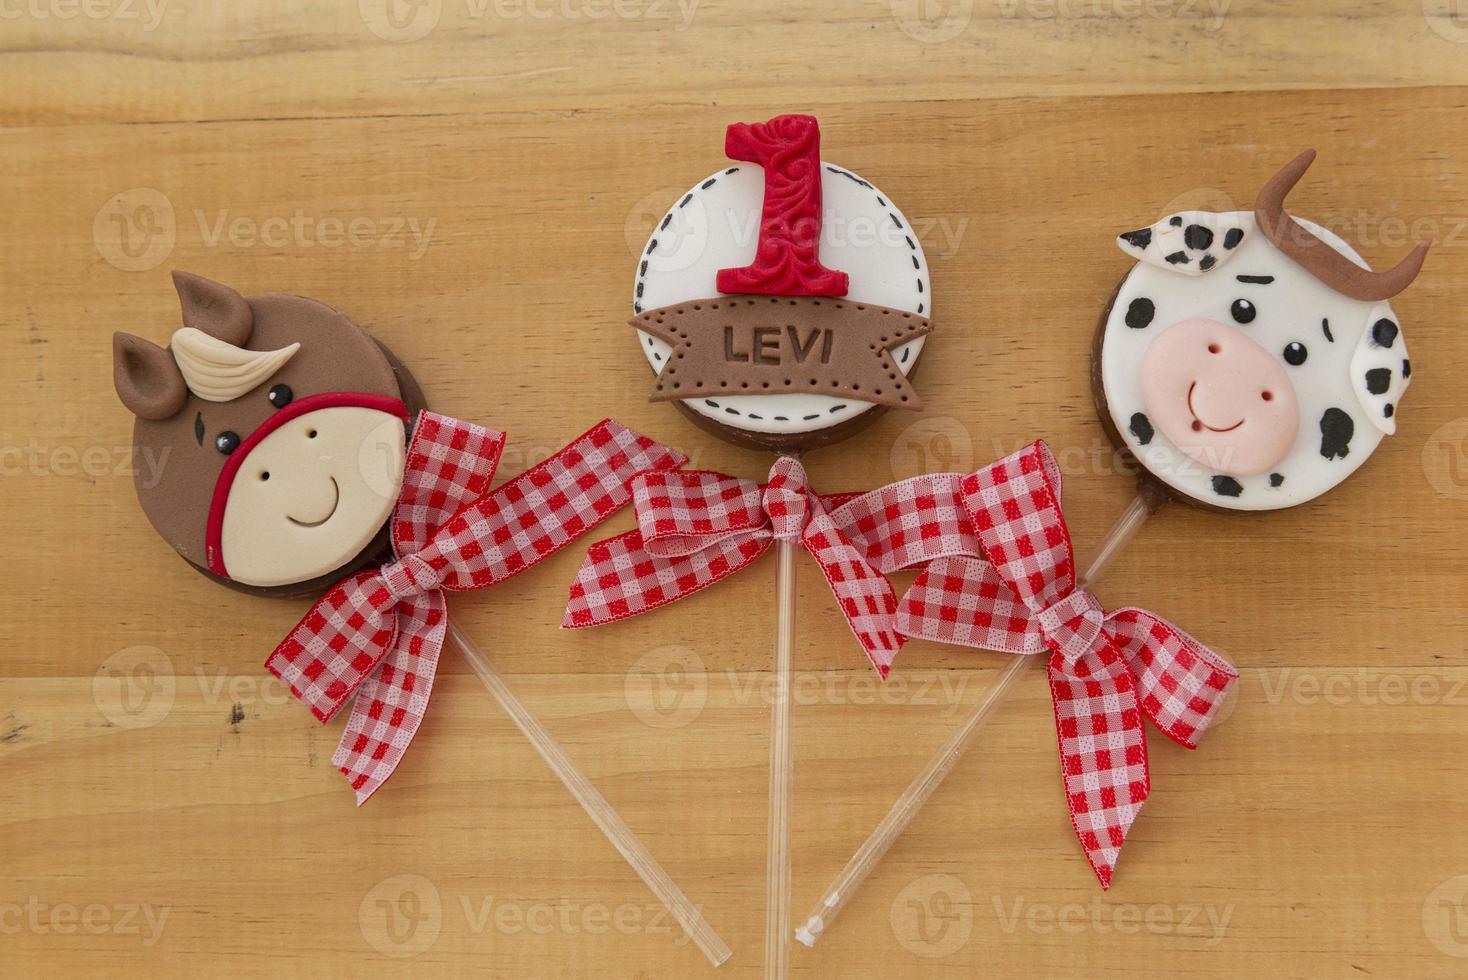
(764,345)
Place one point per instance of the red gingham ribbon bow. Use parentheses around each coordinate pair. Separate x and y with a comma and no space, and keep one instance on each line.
(378,634)
(1008,583)
(697,527)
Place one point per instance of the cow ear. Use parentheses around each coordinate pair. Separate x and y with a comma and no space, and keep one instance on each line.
(1189,243)
(147,378)
(1380,369)
(214,308)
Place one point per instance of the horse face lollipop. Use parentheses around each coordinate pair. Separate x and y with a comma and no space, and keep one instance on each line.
(782,304)
(281,429)
(1250,361)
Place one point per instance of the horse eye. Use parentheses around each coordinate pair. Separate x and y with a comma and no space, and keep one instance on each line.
(280,396)
(1243,311)
(1295,354)
(227,442)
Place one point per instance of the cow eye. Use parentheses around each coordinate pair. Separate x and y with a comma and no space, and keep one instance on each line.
(227,442)
(1295,354)
(280,396)
(1243,311)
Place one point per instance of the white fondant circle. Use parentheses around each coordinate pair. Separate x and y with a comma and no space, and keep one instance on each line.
(715,225)
(312,494)
(1294,308)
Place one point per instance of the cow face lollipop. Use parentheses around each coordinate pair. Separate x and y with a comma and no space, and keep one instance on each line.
(782,304)
(280,427)
(1250,361)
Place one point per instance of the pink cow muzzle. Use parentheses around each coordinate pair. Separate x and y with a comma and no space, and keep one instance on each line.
(1219,397)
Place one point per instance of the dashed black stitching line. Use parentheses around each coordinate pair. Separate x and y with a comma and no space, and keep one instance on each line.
(668,218)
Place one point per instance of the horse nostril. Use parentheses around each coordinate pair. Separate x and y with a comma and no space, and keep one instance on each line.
(1267,396)
(1214,348)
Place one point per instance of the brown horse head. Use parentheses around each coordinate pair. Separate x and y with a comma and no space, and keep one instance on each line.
(279,429)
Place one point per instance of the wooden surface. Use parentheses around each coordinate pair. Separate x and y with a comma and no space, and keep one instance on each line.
(167,811)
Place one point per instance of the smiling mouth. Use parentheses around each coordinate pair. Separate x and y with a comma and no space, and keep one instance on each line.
(335,503)
(1199,424)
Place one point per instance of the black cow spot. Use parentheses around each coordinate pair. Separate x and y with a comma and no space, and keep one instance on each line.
(1141,428)
(1378,380)
(1232,238)
(1336,429)
(1140,238)
(1198,237)
(1406,368)
(1226,486)
(1207,262)
(1178,258)
(1139,312)
(1389,410)
(1276,479)
(1176,221)
(1383,333)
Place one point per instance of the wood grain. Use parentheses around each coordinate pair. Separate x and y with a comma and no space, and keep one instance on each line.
(149,765)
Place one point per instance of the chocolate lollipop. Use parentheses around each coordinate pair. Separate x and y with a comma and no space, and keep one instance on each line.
(296,456)
(789,340)
(1247,362)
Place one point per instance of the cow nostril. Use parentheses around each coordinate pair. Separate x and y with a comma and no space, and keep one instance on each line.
(264,476)
(1267,396)
(1214,348)
(311,434)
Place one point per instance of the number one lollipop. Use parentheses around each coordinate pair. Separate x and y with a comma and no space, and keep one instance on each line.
(1248,362)
(789,341)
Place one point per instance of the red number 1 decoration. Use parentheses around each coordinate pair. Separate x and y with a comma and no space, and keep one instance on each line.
(787,261)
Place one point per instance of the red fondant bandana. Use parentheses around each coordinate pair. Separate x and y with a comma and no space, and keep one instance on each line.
(1006,581)
(696,527)
(378,634)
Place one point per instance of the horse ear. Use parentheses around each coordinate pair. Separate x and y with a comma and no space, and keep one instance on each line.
(147,378)
(214,308)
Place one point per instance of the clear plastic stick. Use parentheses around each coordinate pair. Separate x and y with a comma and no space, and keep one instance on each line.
(782,764)
(875,847)
(685,912)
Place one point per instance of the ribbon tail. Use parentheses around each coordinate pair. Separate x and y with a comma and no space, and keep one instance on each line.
(863,593)
(336,645)
(1103,753)
(1182,683)
(963,601)
(391,703)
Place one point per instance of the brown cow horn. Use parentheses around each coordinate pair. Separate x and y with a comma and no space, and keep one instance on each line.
(214,308)
(147,378)
(1320,259)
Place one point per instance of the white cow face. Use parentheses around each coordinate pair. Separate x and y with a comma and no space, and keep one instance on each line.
(1248,384)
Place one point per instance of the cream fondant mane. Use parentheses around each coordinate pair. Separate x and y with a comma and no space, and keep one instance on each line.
(218,371)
